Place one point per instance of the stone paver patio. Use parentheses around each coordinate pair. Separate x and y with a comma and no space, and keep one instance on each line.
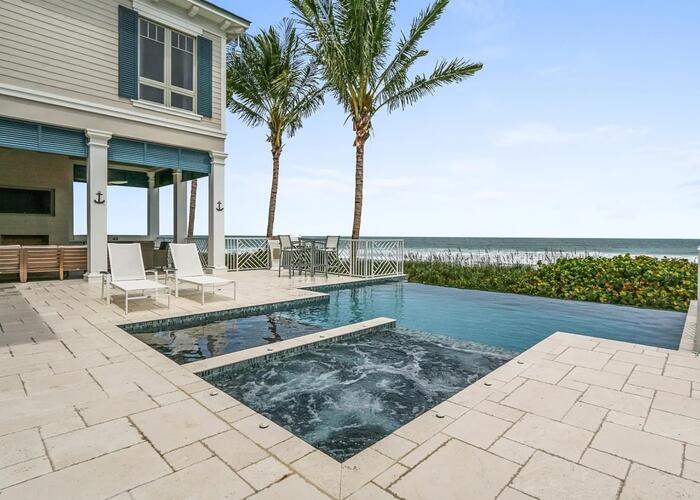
(88,411)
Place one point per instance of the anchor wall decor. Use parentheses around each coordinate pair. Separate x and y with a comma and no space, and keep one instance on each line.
(99,200)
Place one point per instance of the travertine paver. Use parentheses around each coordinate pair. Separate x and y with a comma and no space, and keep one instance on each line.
(91,412)
(638,446)
(90,442)
(477,428)
(539,479)
(264,473)
(542,399)
(661,383)
(554,437)
(178,424)
(584,357)
(235,449)
(19,447)
(604,462)
(394,446)
(644,483)
(202,481)
(512,450)
(291,450)
(456,470)
(291,487)
(187,455)
(618,401)
(101,477)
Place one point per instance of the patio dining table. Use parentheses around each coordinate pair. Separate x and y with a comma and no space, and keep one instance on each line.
(311,258)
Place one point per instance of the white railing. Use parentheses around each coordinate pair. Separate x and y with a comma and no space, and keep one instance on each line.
(364,258)
(368,258)
(202,244)
(243,254)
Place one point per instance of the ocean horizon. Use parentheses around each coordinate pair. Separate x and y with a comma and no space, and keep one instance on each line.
(657,247)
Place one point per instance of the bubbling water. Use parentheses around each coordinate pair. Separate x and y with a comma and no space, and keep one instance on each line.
(344,396)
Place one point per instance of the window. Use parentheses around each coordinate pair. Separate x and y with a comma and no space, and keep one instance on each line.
(26,201)
(166,76)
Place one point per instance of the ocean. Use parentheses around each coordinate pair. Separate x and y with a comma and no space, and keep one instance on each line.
(533,249)
(598,246)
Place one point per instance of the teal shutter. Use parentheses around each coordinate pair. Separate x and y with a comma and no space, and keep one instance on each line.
(128,53)
(204,76)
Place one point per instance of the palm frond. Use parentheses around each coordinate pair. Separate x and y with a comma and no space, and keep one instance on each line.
(273,82)
(445,73)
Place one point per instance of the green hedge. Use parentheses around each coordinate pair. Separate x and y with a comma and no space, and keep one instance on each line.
(636,281)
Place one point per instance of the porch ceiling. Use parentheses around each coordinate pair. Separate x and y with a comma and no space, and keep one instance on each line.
(125,175)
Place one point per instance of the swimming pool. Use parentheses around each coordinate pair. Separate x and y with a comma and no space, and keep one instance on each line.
(508,321)
(202,340)
(344,396)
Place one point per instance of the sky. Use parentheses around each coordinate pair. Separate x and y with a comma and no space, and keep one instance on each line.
(584,122)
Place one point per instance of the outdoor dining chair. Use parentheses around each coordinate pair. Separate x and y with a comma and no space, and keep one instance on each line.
(188,269)
(330,252)
(289,254)
(128,274)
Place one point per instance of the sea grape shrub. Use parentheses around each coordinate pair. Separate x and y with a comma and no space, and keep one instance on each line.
(640,281)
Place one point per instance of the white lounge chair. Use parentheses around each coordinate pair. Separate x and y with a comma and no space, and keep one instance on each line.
(128,275)
(188,269)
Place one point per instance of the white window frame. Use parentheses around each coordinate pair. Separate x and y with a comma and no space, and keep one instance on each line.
(166,85)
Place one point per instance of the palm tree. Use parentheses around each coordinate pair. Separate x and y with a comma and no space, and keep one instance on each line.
(351,42)
(193,208)
(270,81)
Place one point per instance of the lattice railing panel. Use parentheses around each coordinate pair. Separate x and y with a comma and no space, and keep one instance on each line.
(367,258)
(247,254)
(202,244)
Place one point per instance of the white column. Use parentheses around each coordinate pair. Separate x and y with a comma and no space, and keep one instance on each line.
(98,143)
(153,207)
(179,207)
(217,204)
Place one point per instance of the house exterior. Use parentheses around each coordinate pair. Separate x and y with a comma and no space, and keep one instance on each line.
(110,92)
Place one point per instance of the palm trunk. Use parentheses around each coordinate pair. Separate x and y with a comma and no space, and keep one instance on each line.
(276,153)
(359,183)
(193,208)
(362,127)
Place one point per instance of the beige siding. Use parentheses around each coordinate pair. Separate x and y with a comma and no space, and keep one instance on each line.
(70,48)
(25,169)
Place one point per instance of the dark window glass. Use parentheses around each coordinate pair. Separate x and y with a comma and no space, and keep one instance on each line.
(182,61)
(26,201)
(152,51)
(181,101)
(152,94)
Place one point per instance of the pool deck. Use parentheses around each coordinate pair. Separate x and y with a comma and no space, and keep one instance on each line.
(87,411)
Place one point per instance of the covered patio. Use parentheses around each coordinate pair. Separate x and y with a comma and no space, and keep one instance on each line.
(40,163)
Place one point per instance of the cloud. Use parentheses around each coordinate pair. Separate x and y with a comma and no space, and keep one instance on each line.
(481,10)
(537,133)
(534,133)
(490,195)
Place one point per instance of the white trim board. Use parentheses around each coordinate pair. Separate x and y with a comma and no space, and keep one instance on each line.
(159,15)
(101,109)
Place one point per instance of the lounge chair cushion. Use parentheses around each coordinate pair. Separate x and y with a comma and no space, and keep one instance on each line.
(205,280)
(130,285)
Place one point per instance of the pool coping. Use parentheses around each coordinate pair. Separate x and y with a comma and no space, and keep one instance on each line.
(185,321)
(225,362)
(435,455)
(356,284)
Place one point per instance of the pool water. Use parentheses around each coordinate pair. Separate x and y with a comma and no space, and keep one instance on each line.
(508,321)
(342,397)
(203,341)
